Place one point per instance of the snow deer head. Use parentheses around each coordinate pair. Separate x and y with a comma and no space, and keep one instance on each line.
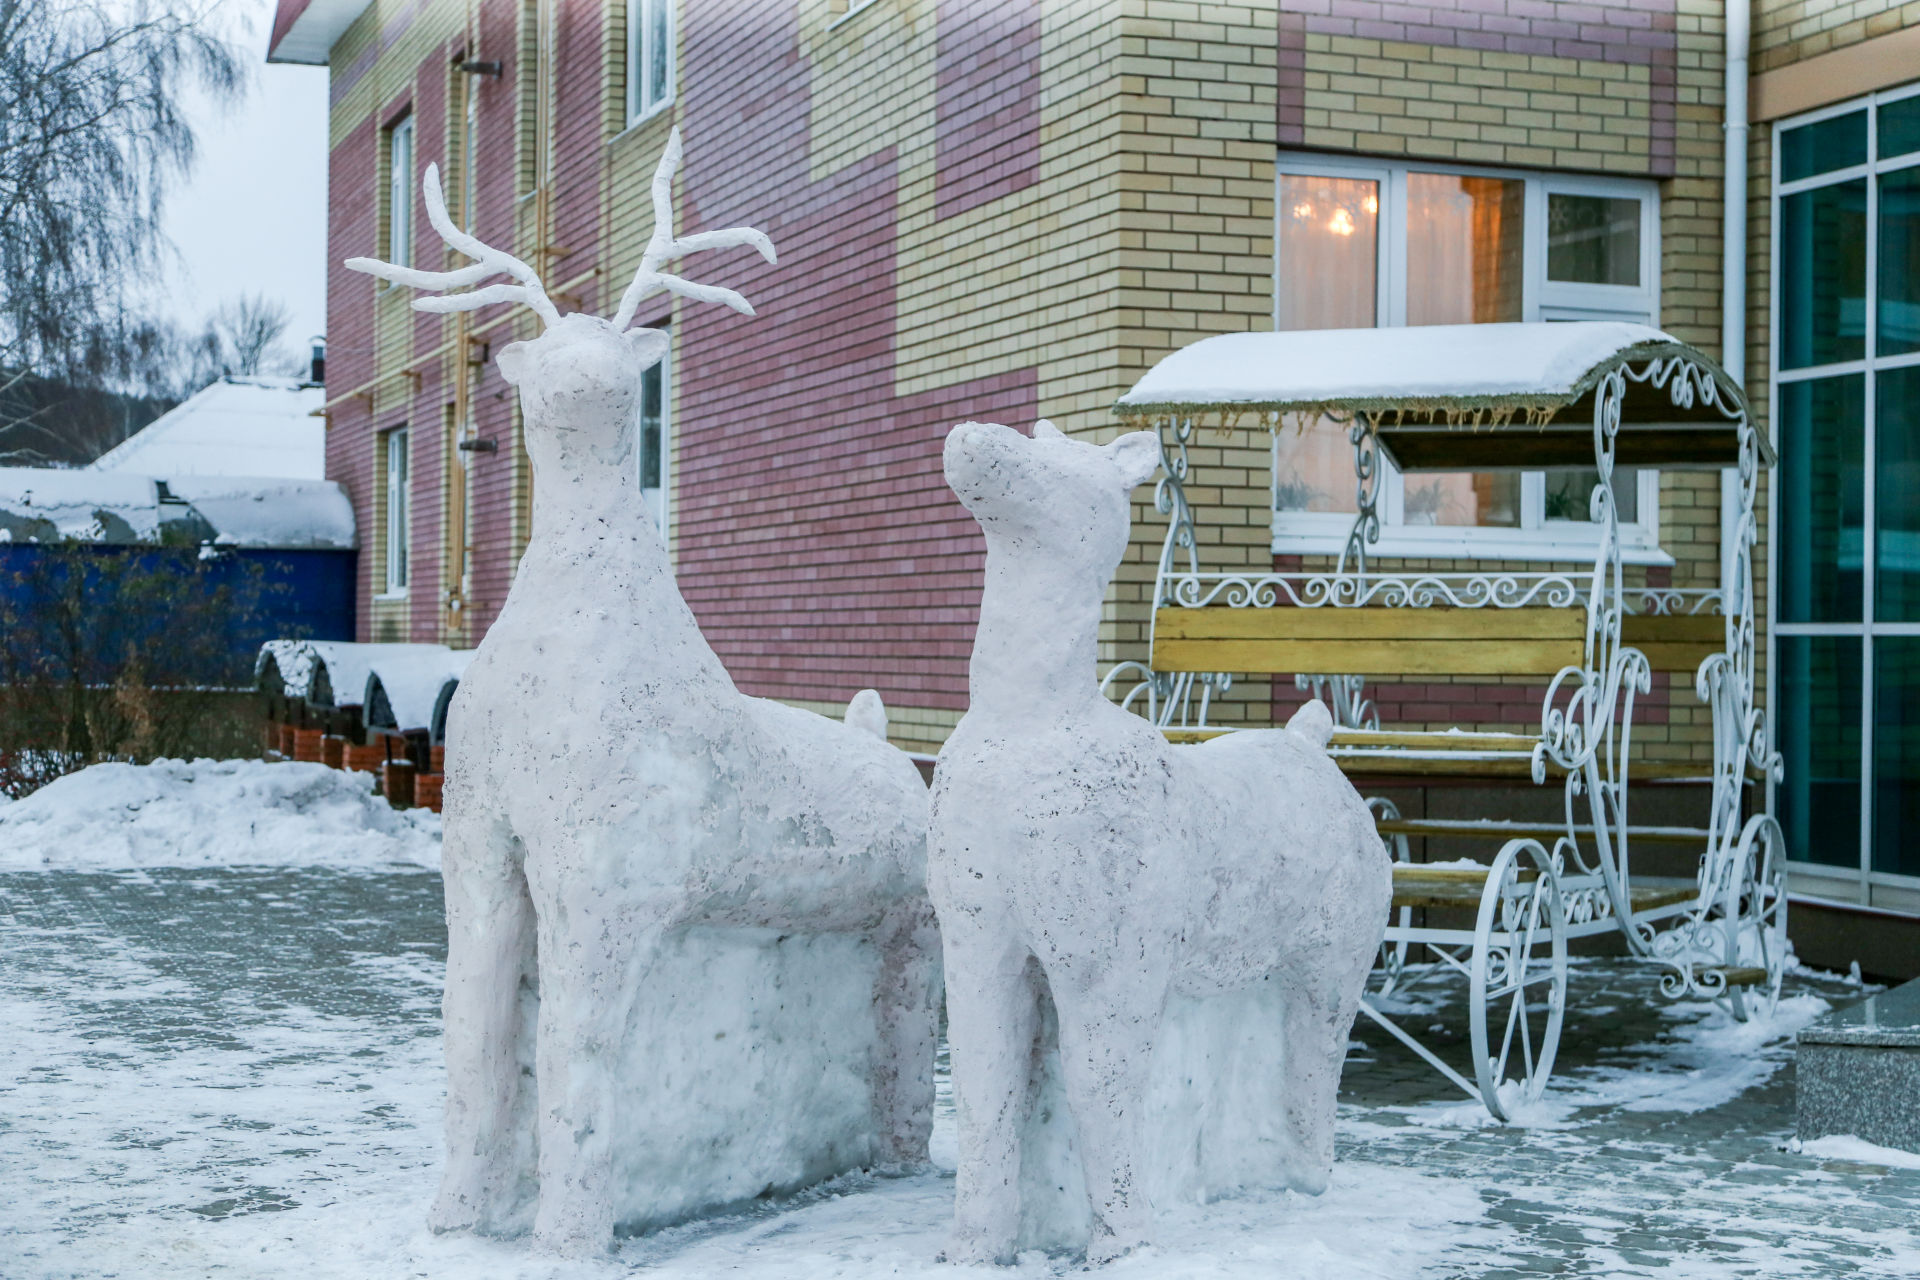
(579,379)
(1050,495)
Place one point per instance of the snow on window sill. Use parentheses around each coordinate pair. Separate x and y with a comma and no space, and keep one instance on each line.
(1401,542)
(854,9)
(391,596)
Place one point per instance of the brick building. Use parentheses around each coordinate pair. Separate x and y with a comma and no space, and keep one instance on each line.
(1009,209)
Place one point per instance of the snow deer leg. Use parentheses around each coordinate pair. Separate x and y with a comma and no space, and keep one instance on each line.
(491,993)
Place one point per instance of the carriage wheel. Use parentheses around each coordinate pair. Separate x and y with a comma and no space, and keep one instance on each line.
(1519,978)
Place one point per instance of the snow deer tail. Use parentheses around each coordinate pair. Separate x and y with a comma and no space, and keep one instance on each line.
(868,713)
(1313,722)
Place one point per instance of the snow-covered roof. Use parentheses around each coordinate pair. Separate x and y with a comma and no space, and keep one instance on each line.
(411,684)
(41,504)
(304,31)
(267,511)
(238,426)
(1430,366)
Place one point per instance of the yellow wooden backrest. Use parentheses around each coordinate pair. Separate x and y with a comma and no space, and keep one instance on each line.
(1370,641)
(1677,645)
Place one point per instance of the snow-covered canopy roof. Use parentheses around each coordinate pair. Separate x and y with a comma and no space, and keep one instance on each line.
(251,426)
(403,689)
(1459,396)
(40,504)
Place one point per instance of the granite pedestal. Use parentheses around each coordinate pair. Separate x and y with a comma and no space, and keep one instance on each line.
(1858,1071)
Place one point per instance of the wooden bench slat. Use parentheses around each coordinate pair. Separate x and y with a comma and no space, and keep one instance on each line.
(1543,832)
(1419,885)
(1539,658)
(1370,622)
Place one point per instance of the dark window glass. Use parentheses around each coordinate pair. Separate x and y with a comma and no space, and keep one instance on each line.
(1823,146)
(1900,127)
(1593,240)
(1818,733)
(1823,275)
(650,405)
(1896,496)
(1822,491)
(1896,754)
(1898,322)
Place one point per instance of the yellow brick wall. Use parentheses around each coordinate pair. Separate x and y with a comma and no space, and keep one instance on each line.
(1787,31)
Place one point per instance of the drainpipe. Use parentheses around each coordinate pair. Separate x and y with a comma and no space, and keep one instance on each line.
(1733,250)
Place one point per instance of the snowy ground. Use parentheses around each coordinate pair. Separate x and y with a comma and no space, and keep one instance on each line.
(231,1070)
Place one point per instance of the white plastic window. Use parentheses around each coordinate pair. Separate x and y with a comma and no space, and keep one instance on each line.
(1360,244)
(400,193)
(398,532)
(649,57)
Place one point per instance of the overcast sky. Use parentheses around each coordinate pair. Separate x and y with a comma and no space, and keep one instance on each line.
(253,215)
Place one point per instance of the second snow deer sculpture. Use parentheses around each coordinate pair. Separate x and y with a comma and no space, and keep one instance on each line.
(690,957)
(1190,927)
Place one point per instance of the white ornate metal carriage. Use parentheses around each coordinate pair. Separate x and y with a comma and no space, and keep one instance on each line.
(1479,398)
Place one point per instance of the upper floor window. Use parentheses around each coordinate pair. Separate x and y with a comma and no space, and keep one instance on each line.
(649,56)
(400,192)
(1365,243)
(398,528)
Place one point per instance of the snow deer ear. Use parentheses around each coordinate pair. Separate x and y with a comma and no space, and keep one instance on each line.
(513,360)
(648,344)
(1137,455)
(1044,430)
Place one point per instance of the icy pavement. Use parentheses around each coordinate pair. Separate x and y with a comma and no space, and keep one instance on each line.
(236,1073)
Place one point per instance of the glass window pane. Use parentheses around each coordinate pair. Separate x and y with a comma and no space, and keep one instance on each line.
(1570,493)
(1484,498)
(1464,239)
(1593,240)
(650,406)
(1896,496)
(1822,479)
(1900,127)
(1313,469)
(1896,754)
(1818,733)
(1823,275)
(659,46)
(1898,323)
(1823,146)
(1328,252)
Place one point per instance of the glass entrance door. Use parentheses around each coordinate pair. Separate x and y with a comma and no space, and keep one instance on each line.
(1846,493)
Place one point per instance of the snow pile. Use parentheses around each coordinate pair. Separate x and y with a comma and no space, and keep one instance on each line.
(1707,1061)
(206,813)
(1844,1146)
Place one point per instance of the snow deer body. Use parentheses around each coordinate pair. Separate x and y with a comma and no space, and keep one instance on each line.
(1175,917)
(642,862)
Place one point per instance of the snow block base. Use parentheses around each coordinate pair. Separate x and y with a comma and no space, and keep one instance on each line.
(718,1102)
(1858,1072)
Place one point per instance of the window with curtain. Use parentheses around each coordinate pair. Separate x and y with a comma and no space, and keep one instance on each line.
(399,501)
(1362,244)
(649,57)
(399,248)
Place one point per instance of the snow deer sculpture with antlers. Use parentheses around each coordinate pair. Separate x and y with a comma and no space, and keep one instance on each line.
(690,958)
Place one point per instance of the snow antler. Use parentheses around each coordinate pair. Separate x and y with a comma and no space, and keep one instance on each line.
(490,262)
(664,246)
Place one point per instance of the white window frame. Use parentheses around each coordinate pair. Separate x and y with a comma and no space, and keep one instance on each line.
(658,500)
(396,554)
(644,98)
(1861,885)
(400,139)
(1537,538)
